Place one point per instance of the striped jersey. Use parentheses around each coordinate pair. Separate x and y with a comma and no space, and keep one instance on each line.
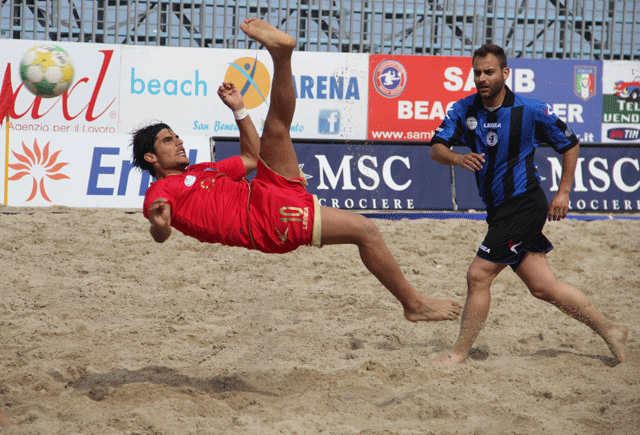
(508,136)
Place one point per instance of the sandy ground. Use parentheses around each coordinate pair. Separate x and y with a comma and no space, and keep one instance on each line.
(103,331)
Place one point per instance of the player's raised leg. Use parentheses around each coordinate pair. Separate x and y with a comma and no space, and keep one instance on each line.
(341,226)
(276,148)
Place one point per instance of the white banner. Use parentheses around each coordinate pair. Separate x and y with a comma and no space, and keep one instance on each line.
(80,169)
(621,102)
(178,86)
(91,104)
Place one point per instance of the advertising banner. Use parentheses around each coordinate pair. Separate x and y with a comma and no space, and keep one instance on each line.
(332,96)
(79,169)
(331,90)
(607,179)
(365,177)
(90,105)
(570,88)
(409,95)
(621,105)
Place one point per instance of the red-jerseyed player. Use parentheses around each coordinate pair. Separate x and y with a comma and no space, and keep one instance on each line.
(273,213)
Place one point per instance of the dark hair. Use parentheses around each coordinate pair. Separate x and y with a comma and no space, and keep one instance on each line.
(496,50)
(143,142)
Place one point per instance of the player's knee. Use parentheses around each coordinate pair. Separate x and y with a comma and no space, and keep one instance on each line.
(367,229)
(540,289)
(477,279)
(538,293)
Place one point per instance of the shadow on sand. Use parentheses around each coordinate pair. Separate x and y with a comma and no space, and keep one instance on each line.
(99,384)
(552,353)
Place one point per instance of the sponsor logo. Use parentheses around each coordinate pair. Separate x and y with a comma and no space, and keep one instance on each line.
(390,78)
(584,81)
(329,121)
(599,175)
(189,180)
(153,86)
(492,125)
(38,163)
(332,87)
(485,249)
(492,138)
(513,246)
(623,133)
(628,90)
(251,78)
(91,111)
(282,237)
(472,123)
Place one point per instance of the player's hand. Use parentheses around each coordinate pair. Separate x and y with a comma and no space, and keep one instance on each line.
(471,161)
(558,207)
(160,213)
(160,218)
(230,96)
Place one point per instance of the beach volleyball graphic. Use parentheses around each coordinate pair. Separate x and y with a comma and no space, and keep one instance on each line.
(251,78)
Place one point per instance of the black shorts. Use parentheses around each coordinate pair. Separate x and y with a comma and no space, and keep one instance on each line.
(515,228)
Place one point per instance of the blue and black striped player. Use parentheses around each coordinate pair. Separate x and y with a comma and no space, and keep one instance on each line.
(503,130)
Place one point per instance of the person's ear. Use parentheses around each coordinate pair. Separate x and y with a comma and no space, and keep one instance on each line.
(505,73)
(150,157)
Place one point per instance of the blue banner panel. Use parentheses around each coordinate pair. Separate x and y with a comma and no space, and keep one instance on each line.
(369,177)
(607,179)
(571,89)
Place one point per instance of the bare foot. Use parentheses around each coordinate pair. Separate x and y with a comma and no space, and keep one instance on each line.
(616,338)
(273,39)
(4,421)
(450,359)
(432,310)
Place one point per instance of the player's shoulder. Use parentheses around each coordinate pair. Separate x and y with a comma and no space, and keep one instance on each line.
(532,103)
(155,188)
(467,101)
(461,107)
(203,166)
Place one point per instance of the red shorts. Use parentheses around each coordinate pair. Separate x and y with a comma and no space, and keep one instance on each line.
(282,214)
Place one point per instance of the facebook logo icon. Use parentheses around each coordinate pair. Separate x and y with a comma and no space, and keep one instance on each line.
(329,121)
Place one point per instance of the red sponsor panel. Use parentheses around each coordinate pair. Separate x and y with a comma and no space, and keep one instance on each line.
(409,95)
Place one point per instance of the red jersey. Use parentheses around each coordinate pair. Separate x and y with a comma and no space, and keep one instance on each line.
(209,202)
(215,203)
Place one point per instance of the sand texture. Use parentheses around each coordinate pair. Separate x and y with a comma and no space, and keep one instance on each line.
(103,331)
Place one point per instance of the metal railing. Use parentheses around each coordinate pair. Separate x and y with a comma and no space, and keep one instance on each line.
(573,29)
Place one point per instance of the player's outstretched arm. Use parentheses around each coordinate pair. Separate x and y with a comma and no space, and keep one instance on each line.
(160,219)
(249,138)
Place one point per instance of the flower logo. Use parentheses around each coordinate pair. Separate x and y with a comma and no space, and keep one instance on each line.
(38,163)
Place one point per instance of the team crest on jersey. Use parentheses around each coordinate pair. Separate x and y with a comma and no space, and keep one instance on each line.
(584,81)
(472,123)
(568,132)
(189,180)
(492,138)
(390,78)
